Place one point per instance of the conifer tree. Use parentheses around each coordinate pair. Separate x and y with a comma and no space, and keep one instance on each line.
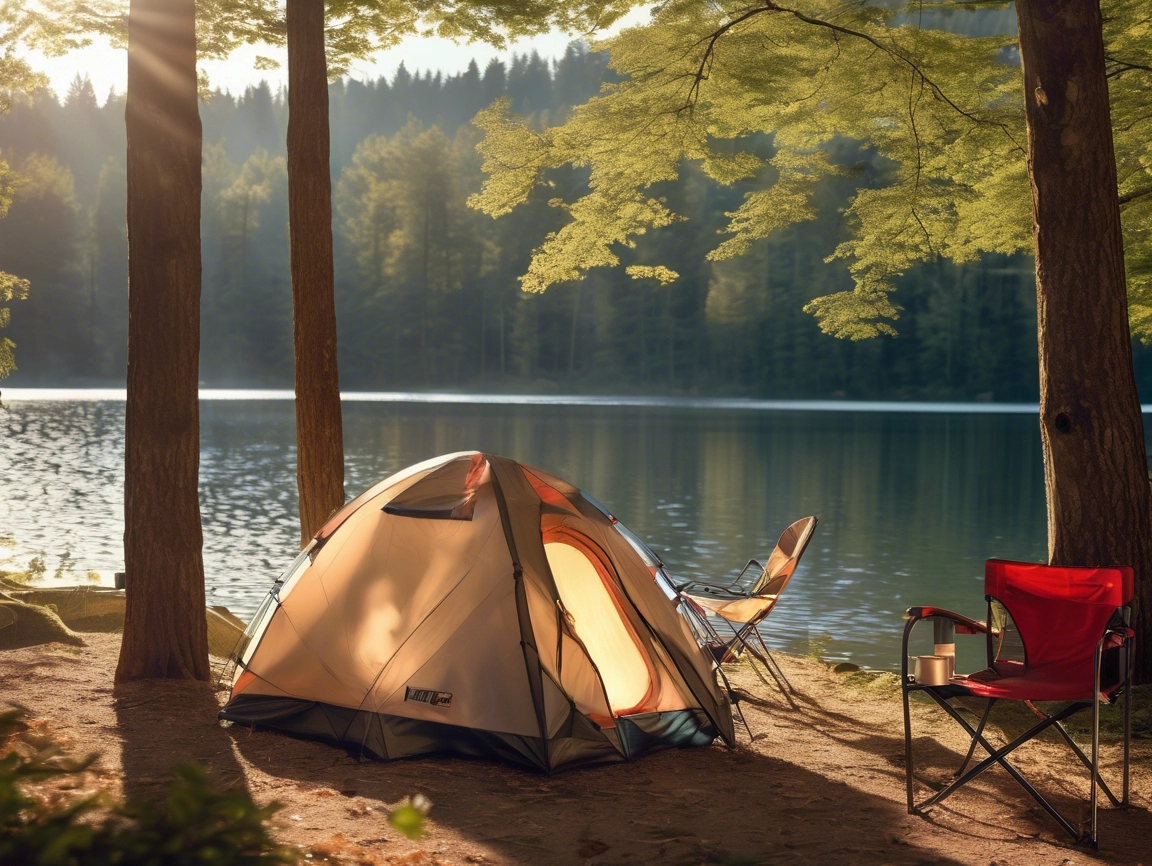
(165,631)
(16,76)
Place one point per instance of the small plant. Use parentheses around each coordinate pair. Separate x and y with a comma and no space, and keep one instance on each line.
(66,567)
(818,646)
(408,817)
(197,825)
(36,569)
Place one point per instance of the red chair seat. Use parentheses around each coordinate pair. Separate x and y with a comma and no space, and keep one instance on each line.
(1049,683)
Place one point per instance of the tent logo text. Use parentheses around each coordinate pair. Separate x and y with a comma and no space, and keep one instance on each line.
(427,696)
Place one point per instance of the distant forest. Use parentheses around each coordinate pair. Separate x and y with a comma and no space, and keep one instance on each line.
(427,289)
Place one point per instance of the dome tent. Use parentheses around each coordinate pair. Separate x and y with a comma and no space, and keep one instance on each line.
(475,605)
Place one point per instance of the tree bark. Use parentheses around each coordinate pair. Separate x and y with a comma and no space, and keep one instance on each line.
(1095,467)
(165,632)
(319,428)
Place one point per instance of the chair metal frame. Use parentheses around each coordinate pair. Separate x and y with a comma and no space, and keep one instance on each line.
(1114,637)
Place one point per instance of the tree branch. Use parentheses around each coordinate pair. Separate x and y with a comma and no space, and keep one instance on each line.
(701,73)
(1130,198)
(1122,66)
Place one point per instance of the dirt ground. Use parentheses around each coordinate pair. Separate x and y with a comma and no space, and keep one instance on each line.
(819,783)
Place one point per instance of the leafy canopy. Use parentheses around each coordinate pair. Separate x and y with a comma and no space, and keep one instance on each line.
(943,111)
(354,28)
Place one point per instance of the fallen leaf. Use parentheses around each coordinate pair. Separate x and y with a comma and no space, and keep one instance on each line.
(592,848)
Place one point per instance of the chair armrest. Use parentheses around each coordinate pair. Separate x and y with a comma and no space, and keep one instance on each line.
(707,589)
(964,625)
(688,584)
(744,570)
(1115,637)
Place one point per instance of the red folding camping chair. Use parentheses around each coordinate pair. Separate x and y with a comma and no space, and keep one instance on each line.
(1054,634)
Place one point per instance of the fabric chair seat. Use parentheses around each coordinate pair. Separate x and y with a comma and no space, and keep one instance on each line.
(1072,682)
(736,610)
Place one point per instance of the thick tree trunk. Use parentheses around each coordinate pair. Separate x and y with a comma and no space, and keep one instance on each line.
(165,634)
(319,430)
(1095,466)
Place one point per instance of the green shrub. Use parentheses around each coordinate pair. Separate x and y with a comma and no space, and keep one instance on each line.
(197,825)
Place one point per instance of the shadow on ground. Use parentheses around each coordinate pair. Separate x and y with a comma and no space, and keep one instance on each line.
(993,808)
(154,737)
(710,805)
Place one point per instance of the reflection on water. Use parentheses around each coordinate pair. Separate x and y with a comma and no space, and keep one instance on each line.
(910,504)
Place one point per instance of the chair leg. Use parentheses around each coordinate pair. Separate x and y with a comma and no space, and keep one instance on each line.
(735,700)
(752,655)
(771,658)
(1086,761)
(908,748)
(1130,655)
(756,655)
(707,626)
(975,738)
(999,756)
(1094,770)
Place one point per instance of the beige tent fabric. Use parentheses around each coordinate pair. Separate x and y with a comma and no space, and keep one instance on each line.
(405,477)
(595,617)
(662,618)
(565,663)
(446,607)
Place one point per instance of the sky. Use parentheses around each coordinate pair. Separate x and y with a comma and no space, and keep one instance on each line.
(107,67)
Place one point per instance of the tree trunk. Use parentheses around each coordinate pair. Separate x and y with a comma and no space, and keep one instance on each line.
(165,633)
(1095,468)
(319,429)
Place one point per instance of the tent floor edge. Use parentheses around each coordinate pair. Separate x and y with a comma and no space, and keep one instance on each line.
(386,737)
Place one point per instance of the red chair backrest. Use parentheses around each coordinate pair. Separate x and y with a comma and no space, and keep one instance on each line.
(1060,612)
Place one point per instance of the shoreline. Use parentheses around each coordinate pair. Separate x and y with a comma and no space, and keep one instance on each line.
(738,404)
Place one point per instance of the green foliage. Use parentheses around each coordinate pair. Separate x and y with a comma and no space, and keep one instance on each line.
(730,327)
(401,203)
(41,207)
(1128,51)
(36,569)
(818,645)
(243,222)
(409,816)
(16,76)
(197,825)
(942,111)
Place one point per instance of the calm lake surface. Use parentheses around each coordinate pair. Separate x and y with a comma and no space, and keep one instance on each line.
(911,503)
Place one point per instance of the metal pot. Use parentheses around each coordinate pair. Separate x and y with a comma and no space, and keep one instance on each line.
(934,670)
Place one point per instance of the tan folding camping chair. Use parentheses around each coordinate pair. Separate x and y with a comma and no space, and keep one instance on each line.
(742,611)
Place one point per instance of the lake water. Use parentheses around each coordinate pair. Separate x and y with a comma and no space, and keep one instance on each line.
(911,502)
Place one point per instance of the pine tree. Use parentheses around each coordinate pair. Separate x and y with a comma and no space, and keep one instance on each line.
(165,631)
(16,76)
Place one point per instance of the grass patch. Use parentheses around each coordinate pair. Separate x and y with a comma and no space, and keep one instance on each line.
(881,684)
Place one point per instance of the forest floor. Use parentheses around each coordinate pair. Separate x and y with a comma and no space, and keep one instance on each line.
(819,783)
